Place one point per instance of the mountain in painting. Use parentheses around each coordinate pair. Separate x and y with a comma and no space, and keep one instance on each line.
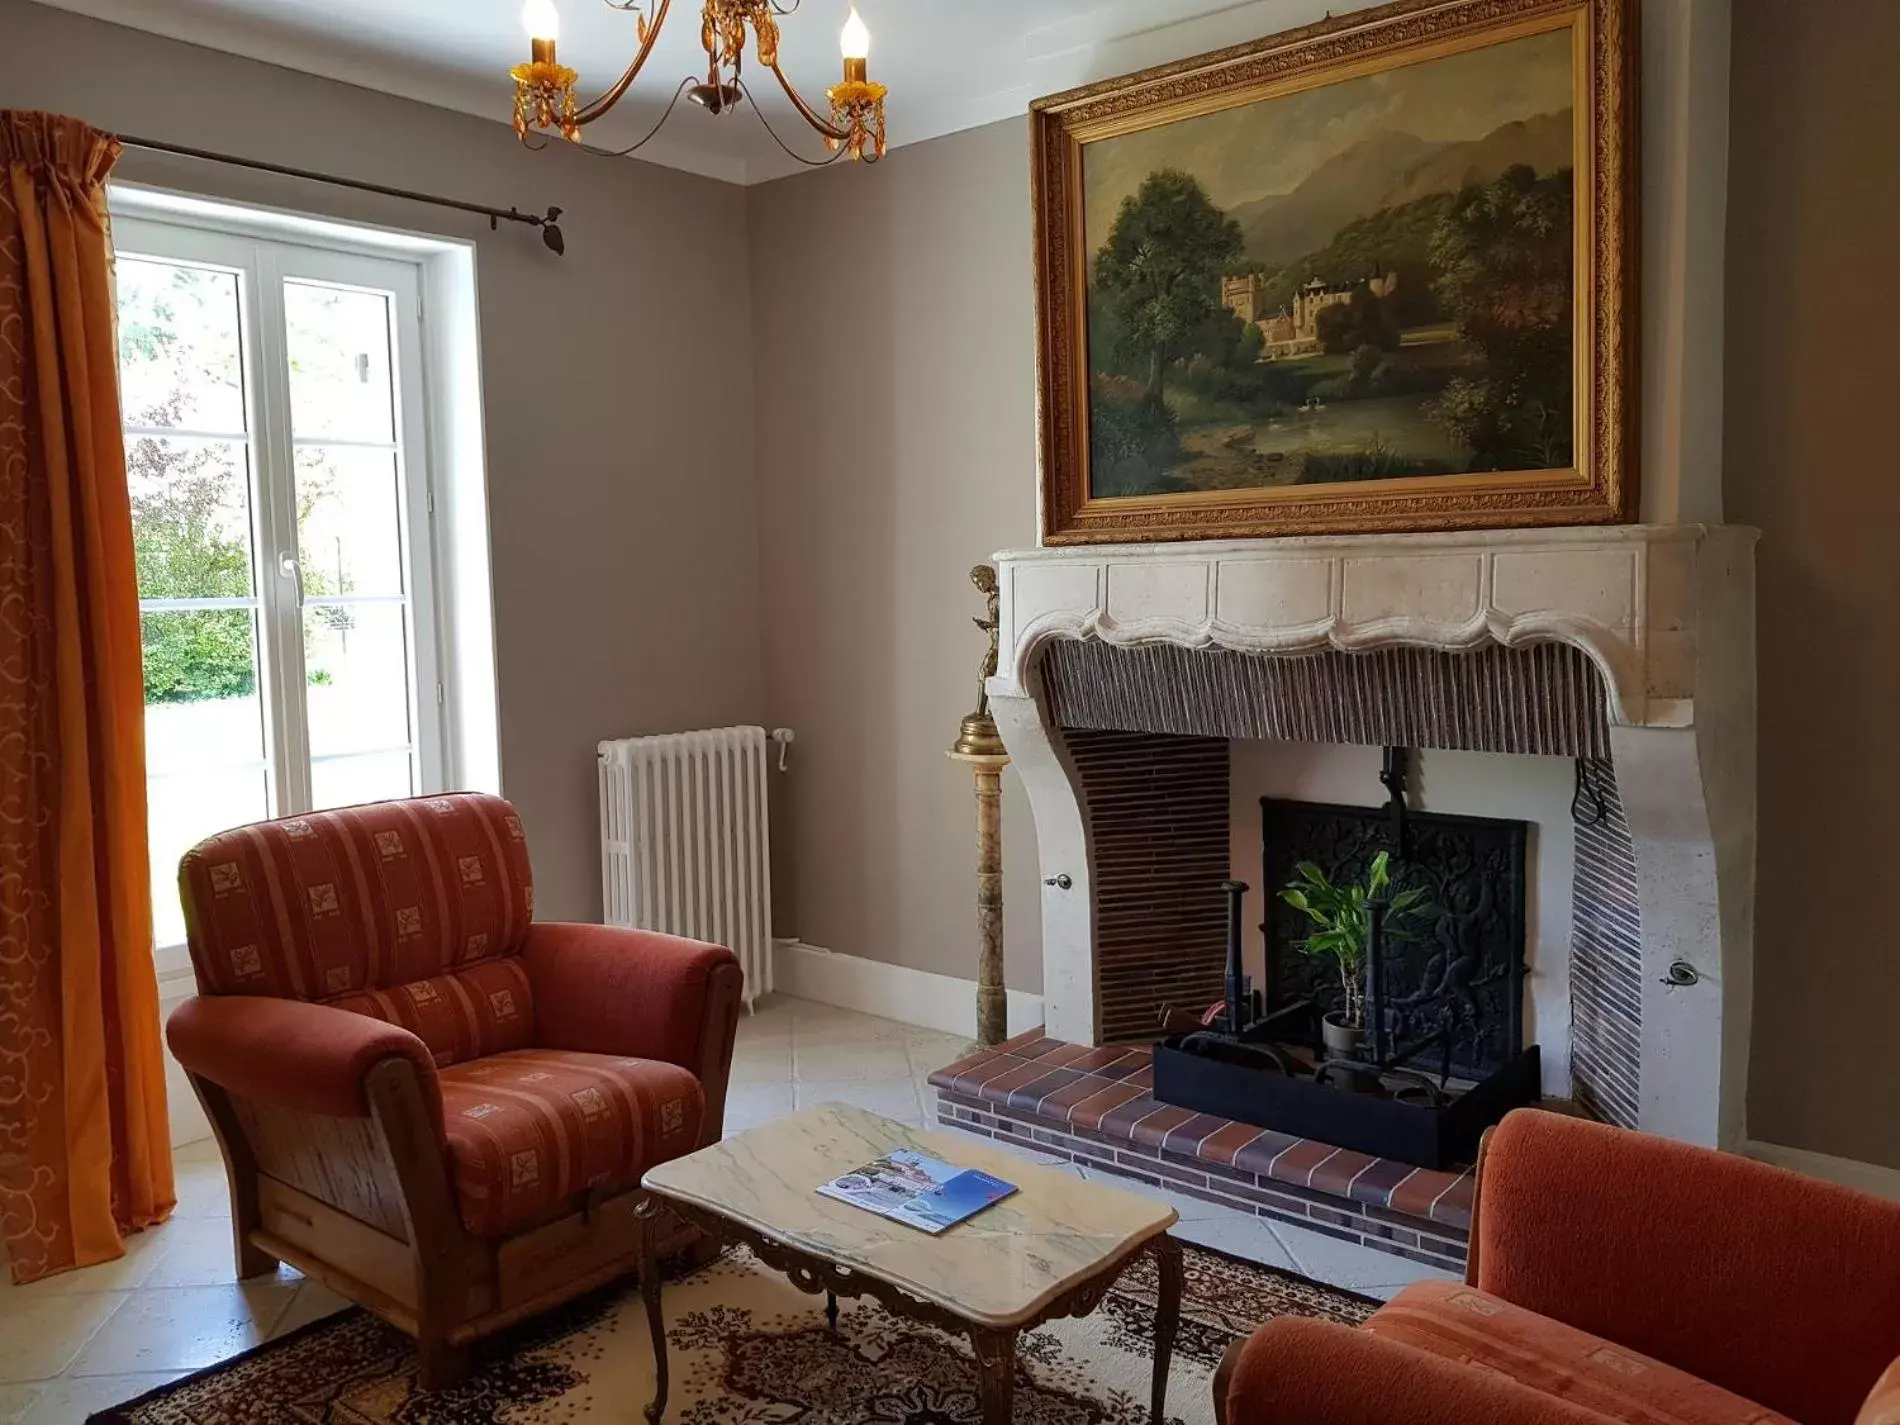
(1283,226)
(1387,170)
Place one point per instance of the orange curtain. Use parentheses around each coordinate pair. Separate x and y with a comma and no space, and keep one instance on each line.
(84,1146)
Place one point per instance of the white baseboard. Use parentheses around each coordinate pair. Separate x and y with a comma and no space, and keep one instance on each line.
(1848,1172)
(890,991)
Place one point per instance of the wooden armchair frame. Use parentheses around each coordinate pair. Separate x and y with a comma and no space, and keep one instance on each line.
(366,1205)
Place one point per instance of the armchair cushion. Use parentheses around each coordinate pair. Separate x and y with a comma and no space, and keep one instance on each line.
(531,1129)
(282,1052)
(334,903)
(1296,1371)
(1468,1326)
(609,990)
(485,1008)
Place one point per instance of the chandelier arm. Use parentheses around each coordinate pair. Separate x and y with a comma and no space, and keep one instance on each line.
(640,142)
(613,96)
(805,111)
(790,152)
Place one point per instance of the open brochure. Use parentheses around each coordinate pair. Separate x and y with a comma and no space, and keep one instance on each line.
(917,1190)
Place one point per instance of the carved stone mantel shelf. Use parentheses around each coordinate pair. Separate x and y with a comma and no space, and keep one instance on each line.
(1645,602)
(1666,612)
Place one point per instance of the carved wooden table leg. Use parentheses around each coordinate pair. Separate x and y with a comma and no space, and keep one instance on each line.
(996,1369)
(648,1214)
(1167,1319)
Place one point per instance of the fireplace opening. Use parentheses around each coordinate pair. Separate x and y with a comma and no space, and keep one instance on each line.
(1453,969)
(1171,816)
(1391,1020)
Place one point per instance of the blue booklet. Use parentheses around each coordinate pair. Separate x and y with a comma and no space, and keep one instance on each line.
(919,1191)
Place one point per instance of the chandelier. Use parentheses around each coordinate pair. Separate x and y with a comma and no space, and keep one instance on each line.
(544,87)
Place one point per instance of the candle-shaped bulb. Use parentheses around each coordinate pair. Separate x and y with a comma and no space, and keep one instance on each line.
(541,20)
(855,39)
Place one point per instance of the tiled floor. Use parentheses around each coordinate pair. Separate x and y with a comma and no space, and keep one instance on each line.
(92,1338)
(170,1306)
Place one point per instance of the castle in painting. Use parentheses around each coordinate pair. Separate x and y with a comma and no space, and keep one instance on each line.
(1294,330)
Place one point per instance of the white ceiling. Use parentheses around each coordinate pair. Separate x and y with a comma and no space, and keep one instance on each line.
(950,64)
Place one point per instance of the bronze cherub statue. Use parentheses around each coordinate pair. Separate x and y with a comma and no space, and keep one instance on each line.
(984,577)
(978,737)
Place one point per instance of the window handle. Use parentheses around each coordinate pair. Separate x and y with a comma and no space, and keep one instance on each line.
(287,568)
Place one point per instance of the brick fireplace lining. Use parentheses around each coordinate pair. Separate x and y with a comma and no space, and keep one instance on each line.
(1606,959)
(1535,698)
(1158,814)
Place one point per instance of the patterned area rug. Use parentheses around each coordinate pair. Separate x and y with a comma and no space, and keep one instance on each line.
(748,1348)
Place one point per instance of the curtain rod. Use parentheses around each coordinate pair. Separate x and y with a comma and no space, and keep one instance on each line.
(550,227)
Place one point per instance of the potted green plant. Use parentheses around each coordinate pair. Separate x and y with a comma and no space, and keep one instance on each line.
(1343,914)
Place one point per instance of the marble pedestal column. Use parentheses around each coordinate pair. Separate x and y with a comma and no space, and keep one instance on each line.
(992,1011)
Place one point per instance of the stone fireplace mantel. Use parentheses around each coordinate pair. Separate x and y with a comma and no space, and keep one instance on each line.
(1665,613)
(1631,596)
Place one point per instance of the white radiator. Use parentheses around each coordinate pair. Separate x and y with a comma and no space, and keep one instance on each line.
(684,846)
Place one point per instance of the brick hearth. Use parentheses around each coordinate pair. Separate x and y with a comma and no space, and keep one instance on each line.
(1093,1107)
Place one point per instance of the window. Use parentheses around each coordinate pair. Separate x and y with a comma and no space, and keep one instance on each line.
(274,425)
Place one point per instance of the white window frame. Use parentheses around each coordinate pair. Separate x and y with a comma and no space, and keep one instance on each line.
(261,265)
(279,262)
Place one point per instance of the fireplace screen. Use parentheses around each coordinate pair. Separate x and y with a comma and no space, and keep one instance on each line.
(1460,970)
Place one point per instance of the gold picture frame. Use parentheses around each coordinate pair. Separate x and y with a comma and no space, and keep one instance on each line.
(1394,49)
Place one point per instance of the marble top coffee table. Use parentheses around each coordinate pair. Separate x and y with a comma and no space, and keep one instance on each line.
(1051,1249)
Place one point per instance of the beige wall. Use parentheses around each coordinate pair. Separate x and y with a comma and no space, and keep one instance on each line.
(1812,372)
(894,363)
(619,417)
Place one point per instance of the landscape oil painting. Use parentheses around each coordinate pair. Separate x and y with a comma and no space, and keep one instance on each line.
(1343,302)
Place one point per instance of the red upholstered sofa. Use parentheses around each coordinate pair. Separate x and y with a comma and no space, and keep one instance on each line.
(425,1099)
(1613,1277)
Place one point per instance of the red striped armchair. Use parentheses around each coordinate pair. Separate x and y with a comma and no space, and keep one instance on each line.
(427,1100)
(1615,1279)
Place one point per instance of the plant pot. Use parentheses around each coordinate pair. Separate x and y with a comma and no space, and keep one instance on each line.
(1342,1040)
(1344,1044)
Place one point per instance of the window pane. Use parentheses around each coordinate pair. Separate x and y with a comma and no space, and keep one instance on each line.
(181,360)
(201,700)
(191,517)
(184,809)
(339,363)
(345,781)
(349,522)
(358,660)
